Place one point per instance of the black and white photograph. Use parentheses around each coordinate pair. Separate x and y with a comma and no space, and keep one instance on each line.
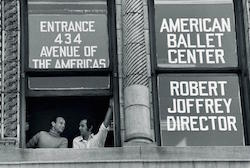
(125,83)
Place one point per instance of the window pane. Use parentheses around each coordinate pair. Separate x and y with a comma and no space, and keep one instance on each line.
(195,33)
(66,35)
(67,7)
(200,110)
(69,83)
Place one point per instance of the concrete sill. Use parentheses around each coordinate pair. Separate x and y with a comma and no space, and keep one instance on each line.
(125,154)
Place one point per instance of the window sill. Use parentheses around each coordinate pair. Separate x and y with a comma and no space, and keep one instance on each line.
(125,155)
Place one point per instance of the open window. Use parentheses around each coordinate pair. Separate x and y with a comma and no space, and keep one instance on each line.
(40,111)
(69,60)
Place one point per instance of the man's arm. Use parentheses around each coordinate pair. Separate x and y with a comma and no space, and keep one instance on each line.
(64,143)
(109,115)
(100,138)
(33,141)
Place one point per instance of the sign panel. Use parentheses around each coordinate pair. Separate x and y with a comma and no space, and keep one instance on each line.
(200,110)
(195,34)
(62,83)
(68,41)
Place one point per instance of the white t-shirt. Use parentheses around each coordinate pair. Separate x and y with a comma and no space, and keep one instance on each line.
(94,141)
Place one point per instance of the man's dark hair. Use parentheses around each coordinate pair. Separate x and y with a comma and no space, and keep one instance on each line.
(55,118)
(90,123)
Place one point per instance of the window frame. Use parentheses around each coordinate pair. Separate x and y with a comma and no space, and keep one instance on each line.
(112,71)
(242,44)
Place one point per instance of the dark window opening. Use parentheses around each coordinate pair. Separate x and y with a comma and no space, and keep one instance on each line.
(40,111)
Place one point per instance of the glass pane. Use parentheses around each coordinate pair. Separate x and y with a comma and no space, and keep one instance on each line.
(66,35)
(69,83)
(195,33)
(67,7)
(200,110)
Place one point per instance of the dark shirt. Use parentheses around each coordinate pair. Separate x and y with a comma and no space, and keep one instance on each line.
(45,139)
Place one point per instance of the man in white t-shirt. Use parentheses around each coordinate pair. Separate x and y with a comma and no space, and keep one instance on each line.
(87,139)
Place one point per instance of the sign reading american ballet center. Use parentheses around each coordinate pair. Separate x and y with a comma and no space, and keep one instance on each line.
(73,41)
(201,109)
(195,35)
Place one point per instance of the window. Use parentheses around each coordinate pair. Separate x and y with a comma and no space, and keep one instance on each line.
(200,90)
(69,60)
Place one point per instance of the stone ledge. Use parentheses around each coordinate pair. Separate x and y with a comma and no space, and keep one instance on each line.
(125,155)
(198,154)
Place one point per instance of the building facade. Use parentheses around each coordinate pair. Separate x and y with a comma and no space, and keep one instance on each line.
(178,73)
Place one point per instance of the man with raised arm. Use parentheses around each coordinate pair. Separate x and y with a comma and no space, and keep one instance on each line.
(87,139)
